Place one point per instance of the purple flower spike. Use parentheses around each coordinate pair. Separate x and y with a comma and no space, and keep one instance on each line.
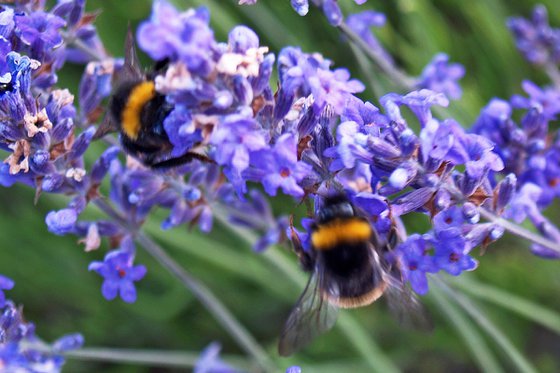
(119,274)
(534,37)
(5,284)
(332,12)
(361,24)
(441,76)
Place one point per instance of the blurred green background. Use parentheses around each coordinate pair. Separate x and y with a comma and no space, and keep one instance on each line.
(61,296)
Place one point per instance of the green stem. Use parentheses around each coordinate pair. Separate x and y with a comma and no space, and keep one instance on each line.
(541,315)
(147,357)
(210,301)
(80,45)
(553,73)
(392,72)
(516,357)
(519,231)
(466,330)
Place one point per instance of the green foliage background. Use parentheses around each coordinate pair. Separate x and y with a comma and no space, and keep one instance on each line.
(61,296)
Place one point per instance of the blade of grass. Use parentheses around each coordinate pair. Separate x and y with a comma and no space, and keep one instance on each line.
(520,362)
(534,312)
(474,341)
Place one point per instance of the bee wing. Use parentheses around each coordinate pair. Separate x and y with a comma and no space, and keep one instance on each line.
(405,305)
(311,316)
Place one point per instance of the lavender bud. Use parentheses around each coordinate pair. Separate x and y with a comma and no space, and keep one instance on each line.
(470,212)
(81,144)
(442,199)
(403,175)
(61,222)
(332,12)
(243,90)
(53,183)
(224,99)
(505,189)
(40,162)
(242,38)
(62,130)
(300,6)
(68,342)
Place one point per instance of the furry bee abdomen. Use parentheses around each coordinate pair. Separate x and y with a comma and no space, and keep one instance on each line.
(350,278)
(340,231)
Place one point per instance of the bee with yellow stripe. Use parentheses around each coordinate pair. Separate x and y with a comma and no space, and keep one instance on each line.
(348,268)
(137,111)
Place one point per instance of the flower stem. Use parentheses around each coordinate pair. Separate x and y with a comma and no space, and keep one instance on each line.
(147,357)
(210,301)
(522,364)
(394,74)
(553,73)
(200,291)
(520,231)
(80,45)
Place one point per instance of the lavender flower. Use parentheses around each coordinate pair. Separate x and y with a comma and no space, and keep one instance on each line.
(361,23)
(22,351)
(209,361)
(5,284)
(539,43)
(441,76)
(119,273)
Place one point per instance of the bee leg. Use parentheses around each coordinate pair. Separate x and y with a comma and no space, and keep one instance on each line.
(181,160)
(306,260)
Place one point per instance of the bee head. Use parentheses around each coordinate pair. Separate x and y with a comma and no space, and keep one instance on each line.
(335,207)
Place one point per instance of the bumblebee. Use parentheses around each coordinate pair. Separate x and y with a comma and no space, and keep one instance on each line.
(349,269)
(137,111)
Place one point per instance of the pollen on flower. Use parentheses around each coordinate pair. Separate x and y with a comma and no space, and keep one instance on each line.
(284,172)
(246,65)
(76,174)
(21,149)
(176,78)
(92,239)
(62,97)
(37,123)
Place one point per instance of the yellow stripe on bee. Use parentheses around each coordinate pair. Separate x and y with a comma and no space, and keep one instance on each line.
(139,96)
(329,235)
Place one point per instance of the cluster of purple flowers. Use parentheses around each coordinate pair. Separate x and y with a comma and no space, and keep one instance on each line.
(20,348)
(309,137)
(539,43)
(222,102)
